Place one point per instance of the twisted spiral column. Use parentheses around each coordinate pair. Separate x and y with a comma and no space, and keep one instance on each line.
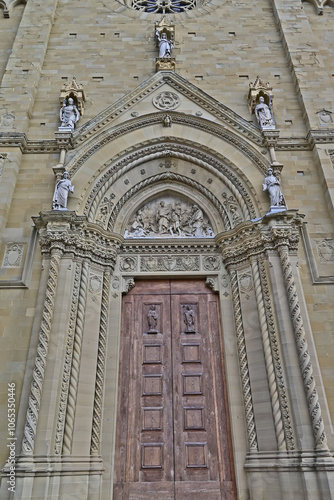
(245,380)
(34,403)
(67,363)
(75,368)
(303,354)
(101,354)
(274,395)
(290,443)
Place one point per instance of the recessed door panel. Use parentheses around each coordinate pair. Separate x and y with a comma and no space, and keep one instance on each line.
(173,436)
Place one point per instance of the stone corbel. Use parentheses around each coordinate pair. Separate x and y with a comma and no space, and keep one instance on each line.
(64,142)
(127,284)
(270,141)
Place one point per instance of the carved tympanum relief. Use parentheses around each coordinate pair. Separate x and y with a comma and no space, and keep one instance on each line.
(169,217)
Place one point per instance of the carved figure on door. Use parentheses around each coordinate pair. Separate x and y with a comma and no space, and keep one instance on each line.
(189,318)
(152,319)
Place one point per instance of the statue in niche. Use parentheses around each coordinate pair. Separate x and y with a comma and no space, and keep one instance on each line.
(69,114)
(62,190)
(165,46)
(189,318)
(152,319)
(272,186)
(169,217)
(263,114)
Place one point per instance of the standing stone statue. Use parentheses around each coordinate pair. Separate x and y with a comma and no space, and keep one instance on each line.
(272,186)
(69,114)
(263,115)
(62,189)
(165,46)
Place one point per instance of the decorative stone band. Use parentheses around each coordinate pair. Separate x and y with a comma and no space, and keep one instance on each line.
(303,354)
(75,368)
(67,363)
(272,381)
(97,412)
(245,379)
(282,391)
(28,442)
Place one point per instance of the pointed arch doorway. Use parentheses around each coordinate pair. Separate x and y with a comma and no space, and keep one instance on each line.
(173,439)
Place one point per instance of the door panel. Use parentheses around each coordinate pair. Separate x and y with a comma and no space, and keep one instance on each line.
(173,440)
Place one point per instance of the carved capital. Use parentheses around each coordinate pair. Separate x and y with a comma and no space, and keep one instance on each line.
(74,235)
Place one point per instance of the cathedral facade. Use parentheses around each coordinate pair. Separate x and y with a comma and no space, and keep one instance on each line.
(167,249)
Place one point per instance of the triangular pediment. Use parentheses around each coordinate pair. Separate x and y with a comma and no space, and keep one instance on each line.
(168,93)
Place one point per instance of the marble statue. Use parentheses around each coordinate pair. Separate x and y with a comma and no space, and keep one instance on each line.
(263,114)
(62,189)
(165,46)
(163,217)
(272,186)
(69,114)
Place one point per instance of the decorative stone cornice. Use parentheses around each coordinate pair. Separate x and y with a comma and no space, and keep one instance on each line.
(259,236)
(73,234)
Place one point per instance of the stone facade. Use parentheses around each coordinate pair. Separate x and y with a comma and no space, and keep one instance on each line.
(181,130)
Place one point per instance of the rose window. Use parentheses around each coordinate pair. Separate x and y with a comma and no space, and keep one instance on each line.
(164,6)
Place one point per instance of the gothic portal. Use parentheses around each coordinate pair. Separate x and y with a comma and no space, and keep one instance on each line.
(167,249)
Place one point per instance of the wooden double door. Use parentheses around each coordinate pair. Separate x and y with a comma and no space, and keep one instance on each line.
(173,439)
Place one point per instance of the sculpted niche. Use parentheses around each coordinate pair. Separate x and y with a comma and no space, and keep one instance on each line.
(169,217)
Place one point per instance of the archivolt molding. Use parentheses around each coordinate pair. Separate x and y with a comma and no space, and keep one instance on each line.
(8,6)
(233,178)
(149,120)
(167,176)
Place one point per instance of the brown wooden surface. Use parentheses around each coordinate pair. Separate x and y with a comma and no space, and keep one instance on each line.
(173,440)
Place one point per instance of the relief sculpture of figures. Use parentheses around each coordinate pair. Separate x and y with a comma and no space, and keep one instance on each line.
(69,114)
(165,45)
(272,186)
(189,318)
(169,218)
(152,319)
(263,115)
(62,189)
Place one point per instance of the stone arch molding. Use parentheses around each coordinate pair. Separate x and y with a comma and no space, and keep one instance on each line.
(184,169)
(8,5)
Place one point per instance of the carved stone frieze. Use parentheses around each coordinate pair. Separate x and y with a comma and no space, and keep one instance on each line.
(169,217)
(165,263)
(73,235)
(255,238)
(7,121)
(13,255)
